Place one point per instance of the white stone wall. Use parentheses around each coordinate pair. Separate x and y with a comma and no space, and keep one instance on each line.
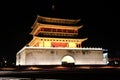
(54,56)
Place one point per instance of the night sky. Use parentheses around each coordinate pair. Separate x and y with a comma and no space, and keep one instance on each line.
(100,20)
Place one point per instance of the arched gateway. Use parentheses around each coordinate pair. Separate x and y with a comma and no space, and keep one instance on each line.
(68,60)
(56,41)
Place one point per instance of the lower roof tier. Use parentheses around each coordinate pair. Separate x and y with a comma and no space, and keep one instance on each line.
(55,42)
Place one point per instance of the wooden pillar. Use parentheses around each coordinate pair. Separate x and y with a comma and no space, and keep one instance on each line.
(43,43)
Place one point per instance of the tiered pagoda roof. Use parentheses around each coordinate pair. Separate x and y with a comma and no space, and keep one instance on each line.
(55,27)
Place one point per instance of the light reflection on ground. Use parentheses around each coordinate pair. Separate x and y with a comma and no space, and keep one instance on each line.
(60,72)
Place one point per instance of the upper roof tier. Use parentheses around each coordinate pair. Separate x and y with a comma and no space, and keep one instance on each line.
(60,21)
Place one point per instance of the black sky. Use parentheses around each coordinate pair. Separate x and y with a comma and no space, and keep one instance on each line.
(100,19)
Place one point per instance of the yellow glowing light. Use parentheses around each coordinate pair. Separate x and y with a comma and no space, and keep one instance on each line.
(72,45)
(68,59)
(47,44)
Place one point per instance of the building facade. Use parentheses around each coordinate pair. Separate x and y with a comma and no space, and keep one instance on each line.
(55,42)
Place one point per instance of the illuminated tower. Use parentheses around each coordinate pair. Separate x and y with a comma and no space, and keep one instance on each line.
(55,42)
(54,32)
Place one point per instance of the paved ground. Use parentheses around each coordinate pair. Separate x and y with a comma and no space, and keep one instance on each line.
(91,72)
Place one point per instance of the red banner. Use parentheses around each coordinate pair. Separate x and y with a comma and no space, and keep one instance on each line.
(58,44)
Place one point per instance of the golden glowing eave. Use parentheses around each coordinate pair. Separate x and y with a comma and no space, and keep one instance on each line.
(59,26)
(58,20)
(34,24)
(39,39)
(40,19)
(37,26)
